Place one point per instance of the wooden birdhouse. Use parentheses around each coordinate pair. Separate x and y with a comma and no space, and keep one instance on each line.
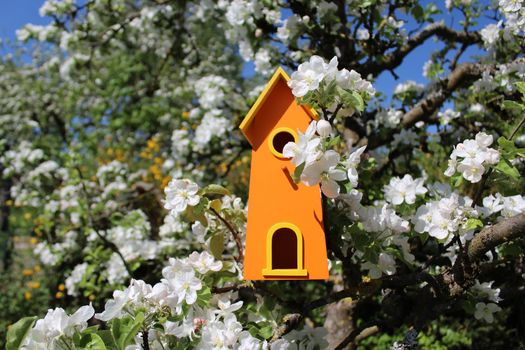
(285,236)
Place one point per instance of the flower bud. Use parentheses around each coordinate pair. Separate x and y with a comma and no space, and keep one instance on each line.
(324,129)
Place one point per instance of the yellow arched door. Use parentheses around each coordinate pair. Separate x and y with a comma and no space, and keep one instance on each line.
(284,251)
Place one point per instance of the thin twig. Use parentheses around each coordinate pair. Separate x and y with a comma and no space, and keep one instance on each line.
(366,330)
(515,131)
(235,233)
(145,340)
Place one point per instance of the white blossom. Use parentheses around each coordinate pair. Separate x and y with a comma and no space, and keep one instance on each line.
(386,265)
(326,172)
(180,194)
(486,312)
(404,189)
(204,262)
(363,34)
(352,163)
(56,323)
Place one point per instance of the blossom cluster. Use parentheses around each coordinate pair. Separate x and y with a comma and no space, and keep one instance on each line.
(385,227)
(444,216)
(514,24)
(476,156)
(321,165)
(178,308)
(310,75)
(506,207)
(484,310)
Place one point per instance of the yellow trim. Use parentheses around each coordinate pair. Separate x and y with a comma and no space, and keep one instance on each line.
(275,132)
(268,271)
(279,74)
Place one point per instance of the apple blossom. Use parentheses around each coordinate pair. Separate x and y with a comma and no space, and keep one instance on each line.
(180,194)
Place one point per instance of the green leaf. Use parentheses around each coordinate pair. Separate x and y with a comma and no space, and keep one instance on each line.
(217,245)
(216,205)
(360,238)
(472,223)
(354,99)
(417,12)
(513,106)
(193,214)
(457,180)
(366,3)
(507,168)
(17,332)
(266,331)
(510,249)
(521,87)
(297,173)
(216,189)
(108,339)
(509,149)
(204,297)
(124,330)
(333,141)
(92,341)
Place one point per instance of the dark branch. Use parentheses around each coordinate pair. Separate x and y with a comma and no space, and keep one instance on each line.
(495,235)
(395,59)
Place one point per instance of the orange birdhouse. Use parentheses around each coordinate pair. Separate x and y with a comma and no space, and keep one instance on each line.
(285,236)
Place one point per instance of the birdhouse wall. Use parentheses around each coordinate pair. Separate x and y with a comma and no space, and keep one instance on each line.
(275,198)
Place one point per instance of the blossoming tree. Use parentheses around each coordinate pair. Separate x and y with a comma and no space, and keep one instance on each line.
(121,158)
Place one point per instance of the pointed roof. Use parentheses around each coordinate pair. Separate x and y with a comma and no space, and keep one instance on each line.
(279,74)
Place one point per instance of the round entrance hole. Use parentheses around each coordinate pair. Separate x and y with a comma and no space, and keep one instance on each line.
(279,139)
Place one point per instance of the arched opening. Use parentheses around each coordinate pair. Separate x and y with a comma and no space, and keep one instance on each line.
(284,249)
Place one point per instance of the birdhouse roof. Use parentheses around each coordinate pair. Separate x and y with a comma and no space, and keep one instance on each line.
(248,119)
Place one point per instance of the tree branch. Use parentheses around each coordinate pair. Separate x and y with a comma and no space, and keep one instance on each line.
(461,76)
(358,334)
(495,235)
(439,29)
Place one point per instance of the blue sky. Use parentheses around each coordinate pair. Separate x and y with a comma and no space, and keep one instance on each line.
(15,13)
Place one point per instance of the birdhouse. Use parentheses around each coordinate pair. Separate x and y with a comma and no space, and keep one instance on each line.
(284,236)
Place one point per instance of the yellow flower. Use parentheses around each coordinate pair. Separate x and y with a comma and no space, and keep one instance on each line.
(120,155)
(9,202)
(27,272)
(366,279)
(109,151)
(28,295)
(37,268)
(165,181)
(158,160)
(33,240)
(185,115)
(27,216)
(61,287)
(91,297)
(153,145)
(33,284)
(59,295)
